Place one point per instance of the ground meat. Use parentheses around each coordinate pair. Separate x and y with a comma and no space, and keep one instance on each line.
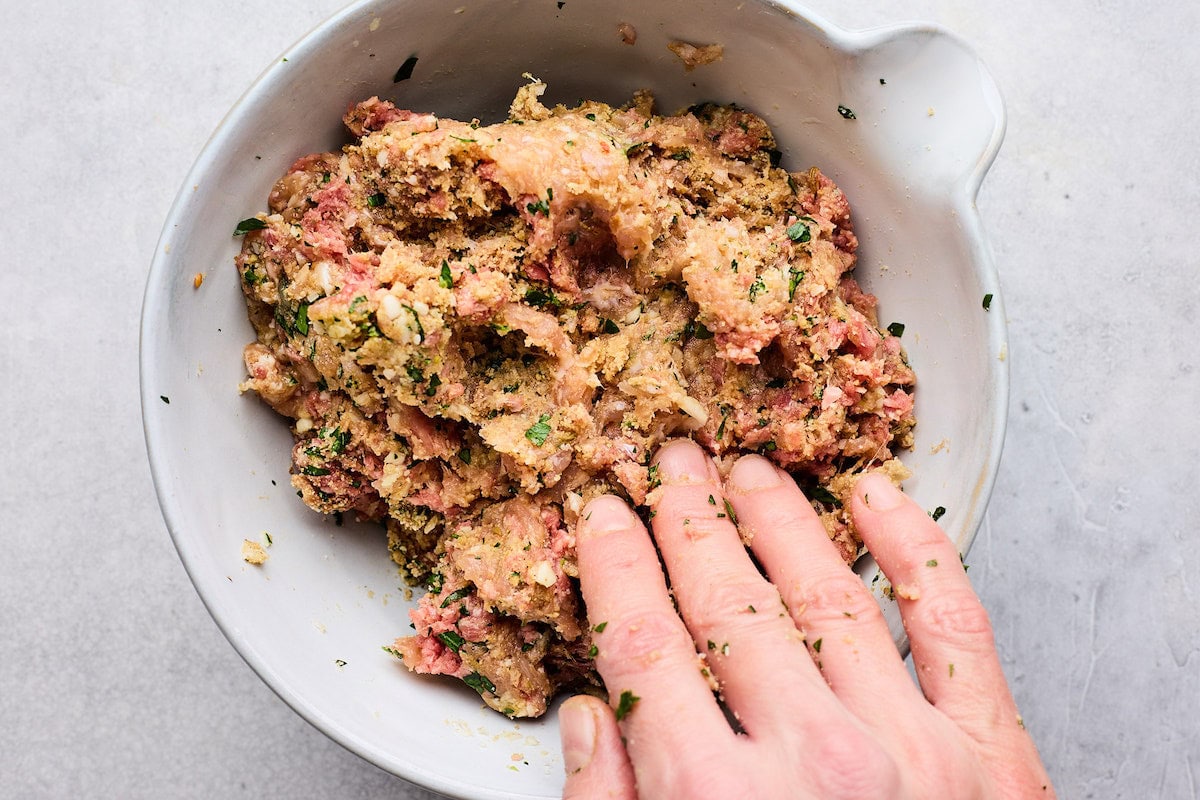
(477,329)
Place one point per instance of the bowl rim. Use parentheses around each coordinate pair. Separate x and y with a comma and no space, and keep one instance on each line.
(846,41)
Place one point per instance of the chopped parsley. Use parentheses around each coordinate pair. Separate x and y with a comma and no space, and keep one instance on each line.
(452,640)
(938,513)
(247,225)
(846,112)
(457,594)
(479,683)
(538,297)
(434,382)
(823,495)
(712,501)
(301,323)
(406,70)
(987,302)
(340,663)
(445,279)
(539,431)
(464,455)
(931,562)
(309,469)
(799,231)
(600,626)
(376,200)
(593,651)
(729,510)
(608,326)
(654,481)
(817,645)
(625,704)
(165,399)
(794,278)
(758,287)
(896,329)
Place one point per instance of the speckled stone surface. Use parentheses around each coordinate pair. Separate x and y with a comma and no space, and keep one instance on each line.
(114,682)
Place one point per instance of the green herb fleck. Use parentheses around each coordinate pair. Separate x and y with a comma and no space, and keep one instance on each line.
(931,562)
(817,645)
(538,297)
(794,278)
(165,399)
(987,302)
(593,651)
(625,704)
(652,476)
(896,329)
(464,455)
(445,279)
(608,326)
(301,323)
(823,495)
(758,287)
(799,231)
(452,640)
(479,683)
(846,112)
(376,200)
(457,594)
(434,382)
(712,501)
(937,513)
(247,225)
(340,662)
(539,431)
(729,510)
(600,626)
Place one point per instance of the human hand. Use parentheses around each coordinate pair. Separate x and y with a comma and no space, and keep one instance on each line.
(805,663)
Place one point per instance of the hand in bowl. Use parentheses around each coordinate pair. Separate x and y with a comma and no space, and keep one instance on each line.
(804,663)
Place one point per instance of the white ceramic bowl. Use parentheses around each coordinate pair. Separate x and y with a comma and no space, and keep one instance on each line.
(929,122)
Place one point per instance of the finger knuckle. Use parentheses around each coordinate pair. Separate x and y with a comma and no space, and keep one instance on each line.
(639,639)
(955,617)
(833,599)
(852,765)
(729,600)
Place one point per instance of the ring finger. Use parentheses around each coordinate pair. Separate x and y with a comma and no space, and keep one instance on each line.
(735,616)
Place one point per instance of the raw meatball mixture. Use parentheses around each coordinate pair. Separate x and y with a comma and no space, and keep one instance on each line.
(476,329)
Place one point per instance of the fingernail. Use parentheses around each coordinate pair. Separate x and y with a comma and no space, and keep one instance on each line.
(604,515)
(682,461)
(878,493)
(752,473)
(577,727)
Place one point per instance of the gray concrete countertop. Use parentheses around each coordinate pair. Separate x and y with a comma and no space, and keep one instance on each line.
(114,682)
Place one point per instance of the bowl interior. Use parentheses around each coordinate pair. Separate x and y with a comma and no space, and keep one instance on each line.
(928,121)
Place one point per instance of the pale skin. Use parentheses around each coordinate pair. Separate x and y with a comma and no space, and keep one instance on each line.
(802,656)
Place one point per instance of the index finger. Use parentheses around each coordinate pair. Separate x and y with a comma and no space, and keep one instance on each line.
(643,651)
